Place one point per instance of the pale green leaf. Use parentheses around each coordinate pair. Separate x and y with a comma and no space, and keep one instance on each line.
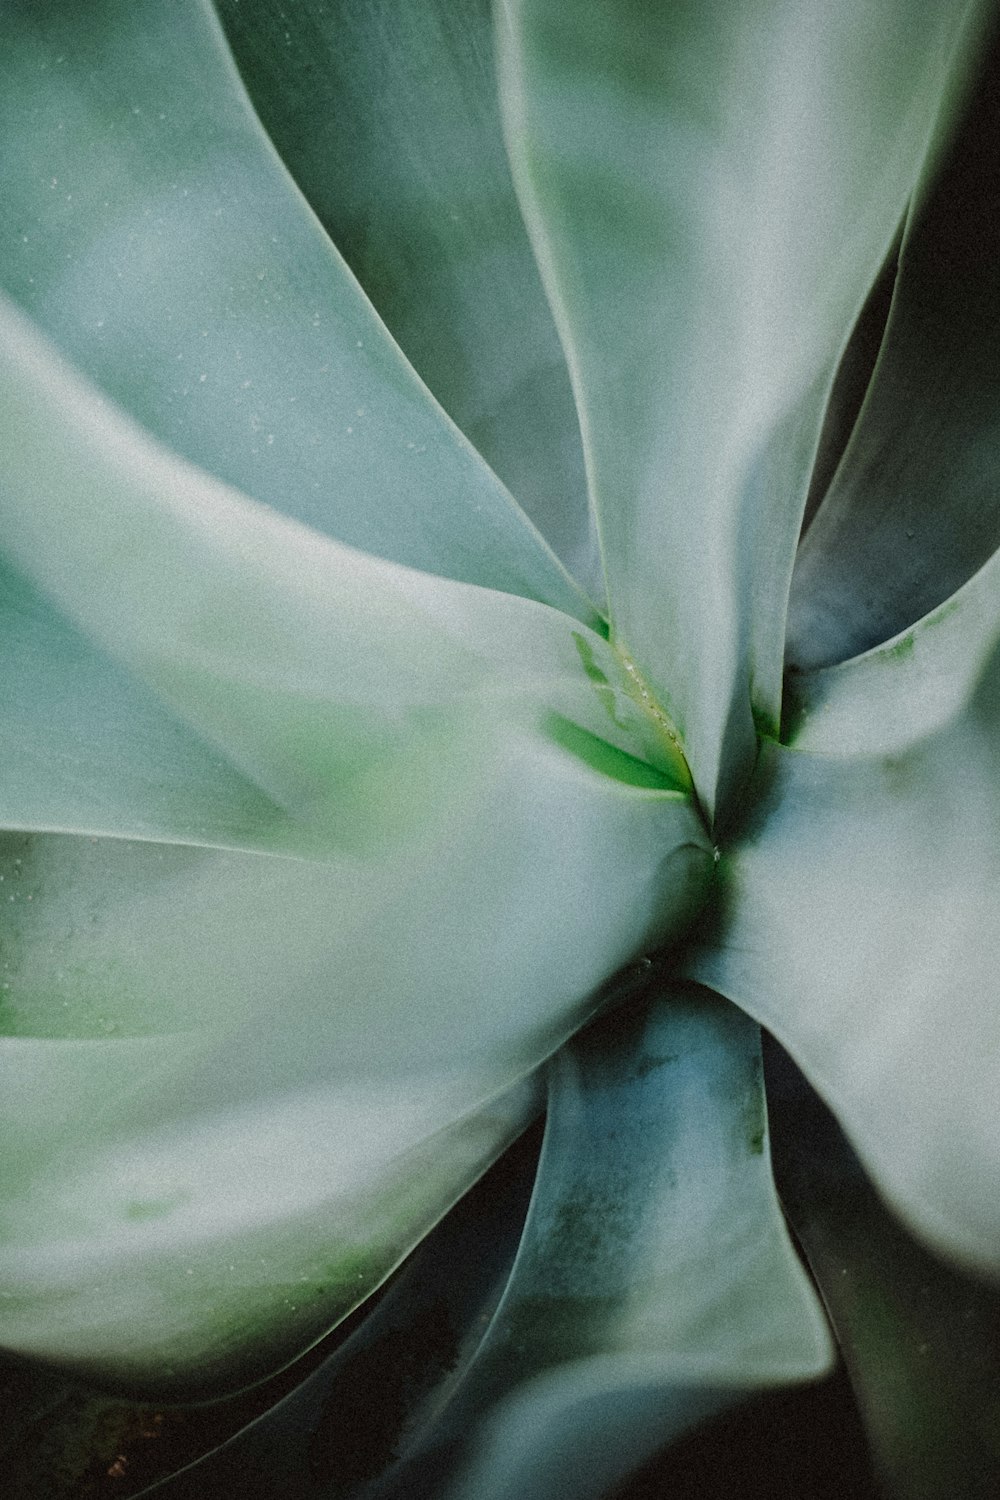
(88,749)
(711,189)
(333,1030)
(173,1249)
(346,1426)
(655,1282)
(485,826)
(303,660)
(151,230)
(386,114)
(921,1341)
(912,510)
(856,918)
(905,691)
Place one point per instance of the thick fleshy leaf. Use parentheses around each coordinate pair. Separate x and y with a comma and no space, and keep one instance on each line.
(850,385)
(150,229)
(332,1035)
(351,1420)
(655,1282)
(711,190)
(212,1020)
(899,694)
(87,749)
(857,913)
(157,1239)
(913,511)
(920,1340)
(387,116)
(304,661)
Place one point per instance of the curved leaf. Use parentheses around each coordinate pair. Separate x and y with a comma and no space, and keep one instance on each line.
(912,511)
(920,1340)
(442,753)
(857,922)
(87,749)
(302,660)
(387,116)
(905,691)
(711,190)
(273,1074)
(150,229)
(655,1282)
(850,385)
(353,1417)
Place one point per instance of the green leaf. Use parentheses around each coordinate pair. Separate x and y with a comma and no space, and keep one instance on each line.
(334,1033)
(856,917)
(212,1020)
(387,116)
(151,230)
(345,1427)
(157,1238)
(655,1282)
(711,189)
(920,1340)
(911,513)
(304,661)
(87,749)
(899,694)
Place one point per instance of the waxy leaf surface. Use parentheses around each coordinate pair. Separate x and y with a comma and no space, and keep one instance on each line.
(711,189)
(912,511)
(655,1281)
(153,233)
(279,1060)
(387,116)
(856,912)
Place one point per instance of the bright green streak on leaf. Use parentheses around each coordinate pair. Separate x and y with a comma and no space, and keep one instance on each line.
(710,189)
(604,757)
(602,686)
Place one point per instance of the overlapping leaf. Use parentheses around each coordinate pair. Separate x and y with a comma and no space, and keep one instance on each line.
(387,116)
(858,894)
(150,229)
(912,511)
(857,912)
(711,190)
(346,1001)
(356,1415)
(920,1340)
(654,1283)
(275,995)
(86,748)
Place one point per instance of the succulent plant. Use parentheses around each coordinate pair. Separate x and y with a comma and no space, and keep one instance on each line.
(499,603)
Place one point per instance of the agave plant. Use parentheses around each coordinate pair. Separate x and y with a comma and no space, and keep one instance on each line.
(499,603)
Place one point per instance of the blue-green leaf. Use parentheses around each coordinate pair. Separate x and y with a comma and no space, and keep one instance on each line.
(856,913)
(912,510)
(347,1425)
(655,1282)
(303,661)
(711,189)
(921,1342)
(387,116)
(87,749)
(275,1070)
(150,229)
